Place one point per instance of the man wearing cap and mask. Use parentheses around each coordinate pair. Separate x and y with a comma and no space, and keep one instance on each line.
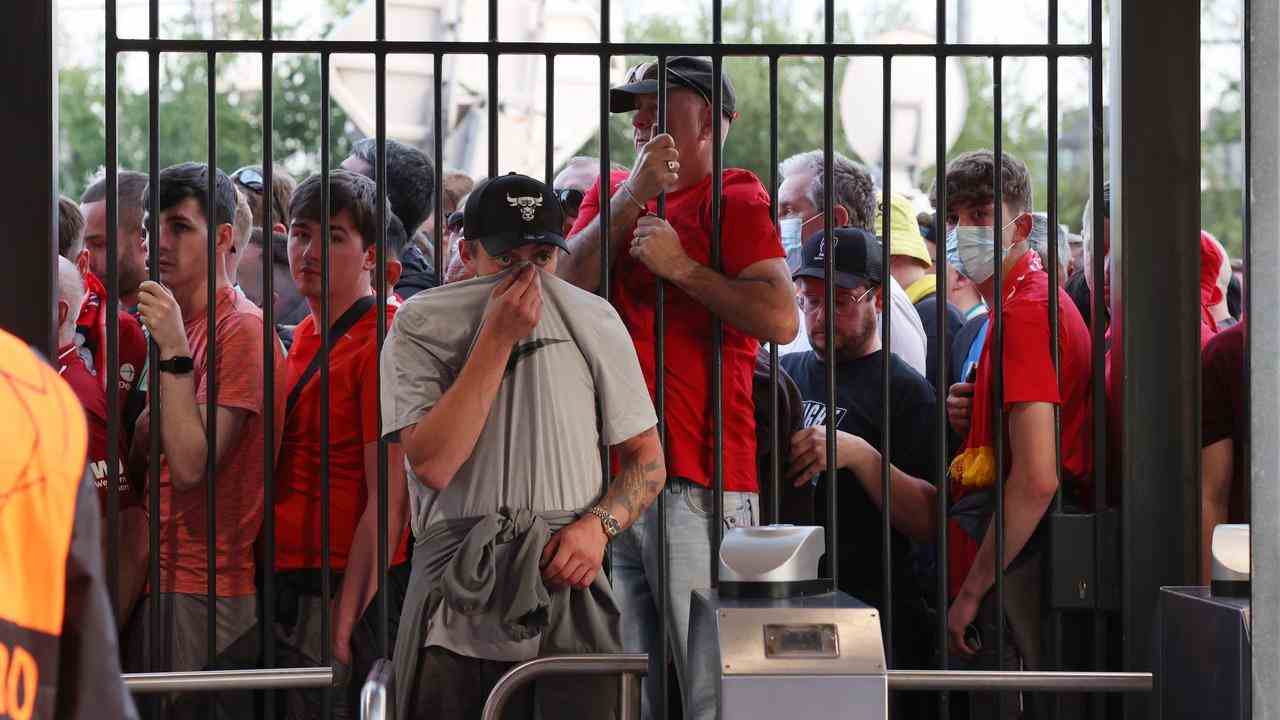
(859,417)
(751,292)
(492,387)
(910,265)
(800,213)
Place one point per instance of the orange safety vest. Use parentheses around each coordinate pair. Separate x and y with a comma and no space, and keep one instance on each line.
(42,459)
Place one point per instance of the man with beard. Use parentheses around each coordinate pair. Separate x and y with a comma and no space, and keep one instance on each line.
(860,417)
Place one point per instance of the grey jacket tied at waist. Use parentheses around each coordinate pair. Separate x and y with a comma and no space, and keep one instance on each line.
(454,562)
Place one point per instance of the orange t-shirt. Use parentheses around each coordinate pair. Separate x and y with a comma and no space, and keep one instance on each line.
(184,516)
(354,422)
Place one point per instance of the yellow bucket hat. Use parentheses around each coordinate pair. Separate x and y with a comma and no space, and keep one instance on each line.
(905,238)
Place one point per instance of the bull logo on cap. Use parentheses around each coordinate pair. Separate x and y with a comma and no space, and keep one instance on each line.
(528,205)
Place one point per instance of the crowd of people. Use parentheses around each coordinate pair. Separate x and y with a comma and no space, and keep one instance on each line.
(505,369)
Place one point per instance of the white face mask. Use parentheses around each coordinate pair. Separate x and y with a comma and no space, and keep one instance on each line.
(789,229)
(970,248)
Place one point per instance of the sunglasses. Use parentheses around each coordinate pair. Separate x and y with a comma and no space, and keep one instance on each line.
(454,222)
(250,178)
(649,71)
(570,200)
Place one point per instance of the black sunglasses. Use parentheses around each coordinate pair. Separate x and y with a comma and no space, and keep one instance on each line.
(570,199)
(453,223)
(250,178)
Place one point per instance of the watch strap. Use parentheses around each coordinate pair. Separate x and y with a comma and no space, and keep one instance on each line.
(611,525)
(178,365)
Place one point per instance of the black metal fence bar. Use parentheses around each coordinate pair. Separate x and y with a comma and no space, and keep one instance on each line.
(326,315)
(211,358)
(549,127)
(717,263)
(113,328)
(267,614)
(997,354)
(942,454)
(154,657)
(437,143)
(383,640)
(829,301)
(660,405)
(514,47)
(775,432)
(886,358)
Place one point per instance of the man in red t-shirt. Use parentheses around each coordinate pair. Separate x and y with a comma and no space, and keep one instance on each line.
(132,543)
(1224,438)
(751,292)
(76,227)
(1031,392)
(354,428)
(176,316)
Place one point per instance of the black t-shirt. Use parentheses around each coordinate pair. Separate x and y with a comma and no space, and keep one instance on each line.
(928,310)
(912,437)
(960,348)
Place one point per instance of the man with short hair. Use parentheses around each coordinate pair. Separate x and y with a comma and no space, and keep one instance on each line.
(801,199)
(752,295)
(176,315)
(494,388)
(410,189)
(288,307)
(251,181)
(131,236)
(859,417)
(88,251)
(1032,389)
(133,540)
(353,439)
(572,184)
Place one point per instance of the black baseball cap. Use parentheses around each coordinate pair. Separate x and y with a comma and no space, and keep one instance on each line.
(508,211)
(857,260)
(694,73)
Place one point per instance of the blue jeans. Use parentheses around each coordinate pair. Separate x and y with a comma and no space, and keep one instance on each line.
(689,509)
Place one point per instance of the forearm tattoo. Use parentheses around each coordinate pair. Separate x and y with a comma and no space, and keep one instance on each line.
(633,490)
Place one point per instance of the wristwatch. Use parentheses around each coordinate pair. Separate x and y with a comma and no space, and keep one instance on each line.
(178,365)
(610,523)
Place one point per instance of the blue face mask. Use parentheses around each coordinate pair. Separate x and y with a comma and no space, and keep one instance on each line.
(971,249)
(789,229)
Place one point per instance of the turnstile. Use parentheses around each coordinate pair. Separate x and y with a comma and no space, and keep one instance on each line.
(775,641)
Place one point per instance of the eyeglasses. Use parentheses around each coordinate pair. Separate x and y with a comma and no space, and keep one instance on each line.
(845,304)
(250,178)
(570,200)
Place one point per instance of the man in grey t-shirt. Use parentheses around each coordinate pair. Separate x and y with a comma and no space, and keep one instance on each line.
(501,390)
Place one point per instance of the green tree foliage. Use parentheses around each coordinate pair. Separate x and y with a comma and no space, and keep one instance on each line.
(183,125)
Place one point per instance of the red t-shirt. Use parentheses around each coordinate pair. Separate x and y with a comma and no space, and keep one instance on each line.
(94,400)
(184,516)
(1029,377)
(747,237)
(353,424)
(92,339)
(1224,415)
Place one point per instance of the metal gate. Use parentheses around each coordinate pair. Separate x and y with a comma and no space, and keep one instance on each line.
(493,48)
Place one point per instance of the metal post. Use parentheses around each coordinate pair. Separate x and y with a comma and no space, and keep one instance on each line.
(1262,273)
(886,360)
(660,406)
(112,280)
(30,101)
(266,626)
(326,317)
(1155,258)
(211,357)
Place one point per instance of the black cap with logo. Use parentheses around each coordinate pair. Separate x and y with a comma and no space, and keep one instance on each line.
(694,73)
(508,211)
(857,260)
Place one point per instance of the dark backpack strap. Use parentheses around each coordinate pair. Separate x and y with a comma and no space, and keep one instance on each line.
(340,328)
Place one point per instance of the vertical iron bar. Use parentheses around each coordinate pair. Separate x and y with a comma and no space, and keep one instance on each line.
(380,275)
(437,114)
(493,90)
(606,190)
(828,226)
(660,405)
(326,637)
(1100,315)
(1055,616)
(997,324)
(549,128)
(941,456)
(154,647)
(211,357)
(113,311)
(886,436)
(775,432)
(717,325)
(268,609)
